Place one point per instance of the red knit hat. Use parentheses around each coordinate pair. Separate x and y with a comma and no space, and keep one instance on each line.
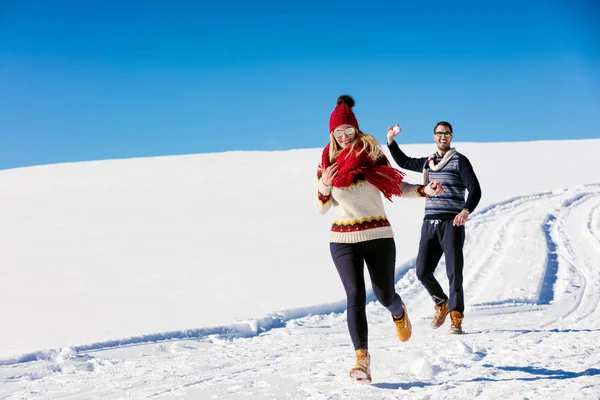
(342,113)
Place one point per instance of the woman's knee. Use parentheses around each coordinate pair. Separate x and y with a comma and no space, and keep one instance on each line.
(385,298)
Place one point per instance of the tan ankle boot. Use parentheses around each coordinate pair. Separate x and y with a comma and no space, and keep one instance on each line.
(361,371)
(403,326)
(441,312)
(456,317)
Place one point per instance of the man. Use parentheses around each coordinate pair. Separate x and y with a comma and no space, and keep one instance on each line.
(443,230)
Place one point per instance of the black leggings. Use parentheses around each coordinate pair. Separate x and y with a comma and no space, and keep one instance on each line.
(380,257)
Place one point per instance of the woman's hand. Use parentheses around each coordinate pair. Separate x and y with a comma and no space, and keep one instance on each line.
(434,189)
(392,132)
(329,174)
(437,186)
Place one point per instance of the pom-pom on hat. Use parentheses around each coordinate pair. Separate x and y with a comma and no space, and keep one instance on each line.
(342,113)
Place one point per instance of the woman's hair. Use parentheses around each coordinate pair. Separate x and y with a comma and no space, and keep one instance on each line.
(367,143)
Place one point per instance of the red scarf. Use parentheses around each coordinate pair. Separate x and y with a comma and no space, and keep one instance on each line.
(377,172)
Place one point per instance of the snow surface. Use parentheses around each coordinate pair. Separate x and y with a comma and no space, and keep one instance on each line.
(209,277)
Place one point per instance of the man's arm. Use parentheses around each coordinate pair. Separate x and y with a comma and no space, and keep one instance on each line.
(404,161)
(471,183)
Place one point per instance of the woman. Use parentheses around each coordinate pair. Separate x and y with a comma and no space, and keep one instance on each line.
(352,176)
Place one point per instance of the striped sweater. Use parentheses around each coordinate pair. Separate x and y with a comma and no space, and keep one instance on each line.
(457,178)
(359,211)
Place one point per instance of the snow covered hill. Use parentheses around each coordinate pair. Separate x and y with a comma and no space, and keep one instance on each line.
(208,276)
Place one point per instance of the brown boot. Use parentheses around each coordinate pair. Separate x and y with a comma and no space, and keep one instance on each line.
(403,326)
(441,312)
(361,371)
(456,317)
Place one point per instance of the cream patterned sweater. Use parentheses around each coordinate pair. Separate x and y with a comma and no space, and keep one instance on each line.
(359,211)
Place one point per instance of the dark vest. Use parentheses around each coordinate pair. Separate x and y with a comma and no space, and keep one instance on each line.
(452,201)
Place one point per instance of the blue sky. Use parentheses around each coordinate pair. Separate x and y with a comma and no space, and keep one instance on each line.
(99,80)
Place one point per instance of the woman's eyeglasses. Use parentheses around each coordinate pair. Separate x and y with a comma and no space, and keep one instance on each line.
(445,134)
(348,131)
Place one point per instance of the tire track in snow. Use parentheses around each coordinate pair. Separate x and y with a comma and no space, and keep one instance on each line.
(561,264)
(578,259)
(592,232)
(494,231)
(546,292)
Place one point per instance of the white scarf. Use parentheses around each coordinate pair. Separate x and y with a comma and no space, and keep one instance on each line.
(431,165)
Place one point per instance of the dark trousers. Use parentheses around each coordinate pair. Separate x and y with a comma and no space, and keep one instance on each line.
(441,237)
(380,257)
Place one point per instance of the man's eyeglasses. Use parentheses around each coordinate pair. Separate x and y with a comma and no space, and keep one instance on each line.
(348,131)
(445,134)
